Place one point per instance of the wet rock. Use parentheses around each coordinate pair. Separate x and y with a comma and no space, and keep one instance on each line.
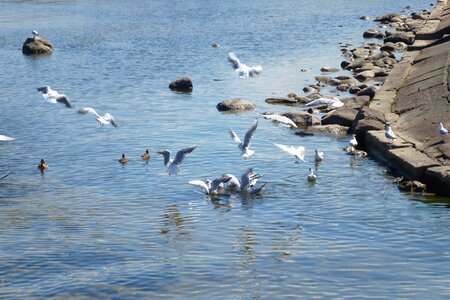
(37,46)
(326,129)
(345,64)
(399,36)
(343,87)
(183,84)
(235,105)
(281,100)
(310,89)
(368,91)
(356,102)
(387,17)
(367,119)
(412,186)
(342,116)
(302,118)
(215,45)
(349,82)
(324,79)
(389,47)
(365,75)
(373,33)
(354,90)
(329,69)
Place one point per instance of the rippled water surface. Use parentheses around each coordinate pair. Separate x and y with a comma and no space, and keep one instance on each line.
(89,227)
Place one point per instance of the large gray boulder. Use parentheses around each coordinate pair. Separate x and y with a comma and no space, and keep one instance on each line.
(400,36)
(235,105)
(183,84)
(37,45)
(326,129)
(342,116)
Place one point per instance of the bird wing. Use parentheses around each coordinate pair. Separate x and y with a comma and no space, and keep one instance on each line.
(232,58)
(166,155)
(321,101)
(89,110)
(287,149)
(245,178)
(233,182)
(300,152)
(201,184)
(281,119)
(235,137)
(182,154)
(218,181)
(249,134)
(43,89)
(64,100)
(109,118)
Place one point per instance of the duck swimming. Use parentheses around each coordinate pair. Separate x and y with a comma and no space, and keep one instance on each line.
(123,160)
(146,155)
(42,165)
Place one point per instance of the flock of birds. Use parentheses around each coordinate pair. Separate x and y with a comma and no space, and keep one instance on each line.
(227,182)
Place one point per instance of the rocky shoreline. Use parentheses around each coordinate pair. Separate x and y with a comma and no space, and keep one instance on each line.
(401,81)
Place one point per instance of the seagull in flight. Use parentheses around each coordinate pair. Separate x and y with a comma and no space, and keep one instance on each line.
(442,131)
(280,119)
(297,152)
(244,147)
(53,96)
(242,69)
(173,165)
(5,138)
(211,187)
(331,102)
(106,119)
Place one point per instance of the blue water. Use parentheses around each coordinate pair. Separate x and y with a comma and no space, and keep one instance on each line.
(90,227)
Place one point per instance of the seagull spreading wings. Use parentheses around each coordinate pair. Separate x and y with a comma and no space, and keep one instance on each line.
(5,138)
(106,119)
(297,152)
(281,119)
(173,165)
(211,187)
(53,96)
(332,102)
(247,182)
(242,69)
(244,146)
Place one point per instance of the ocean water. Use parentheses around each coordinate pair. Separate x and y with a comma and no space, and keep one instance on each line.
(89,227)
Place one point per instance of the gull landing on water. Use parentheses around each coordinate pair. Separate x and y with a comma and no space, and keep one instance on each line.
(53,96)
(297,152)
(103,120)
(5,138)
(211,187)
(280,119)
(173,165)
(245,146)
(242,69)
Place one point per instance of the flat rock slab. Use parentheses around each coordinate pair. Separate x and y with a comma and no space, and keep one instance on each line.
(438,178)
(327,129)
(411,161)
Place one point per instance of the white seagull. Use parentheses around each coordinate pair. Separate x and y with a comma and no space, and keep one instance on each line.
(297,152)
(173,165)
(353,142)
(319,155)
(442,131)
(389,134)
(281,119)
(106,119)
(242,69)
(247,182)
(53,96)
(5,138)
(312,176)
(211,187)
(245,146)
(331,102)
(35,33)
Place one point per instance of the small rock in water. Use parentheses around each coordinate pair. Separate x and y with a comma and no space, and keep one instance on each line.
(215,45)
(182,84)
(235,105)
(37,45)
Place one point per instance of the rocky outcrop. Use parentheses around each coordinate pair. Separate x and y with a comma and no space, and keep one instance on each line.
(326,129)
(235,105)
(302,118)
(342,116)
(37,46)
(183,84)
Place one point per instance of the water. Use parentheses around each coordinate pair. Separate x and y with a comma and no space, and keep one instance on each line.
(89,227)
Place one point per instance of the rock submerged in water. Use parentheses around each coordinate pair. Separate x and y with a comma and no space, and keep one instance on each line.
(37,46)
(235,105)
(183,84)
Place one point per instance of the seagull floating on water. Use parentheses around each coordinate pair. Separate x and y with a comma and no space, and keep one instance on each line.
(242,69)
(312,176)
(442,131)
(5,138)
(319,155)
(280,119)
(389,134)
(353,142)
(53,96)
(106,119)
(331,102)
(246,184)
(211,187)
(173,165)
(297,152)
(244,146)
